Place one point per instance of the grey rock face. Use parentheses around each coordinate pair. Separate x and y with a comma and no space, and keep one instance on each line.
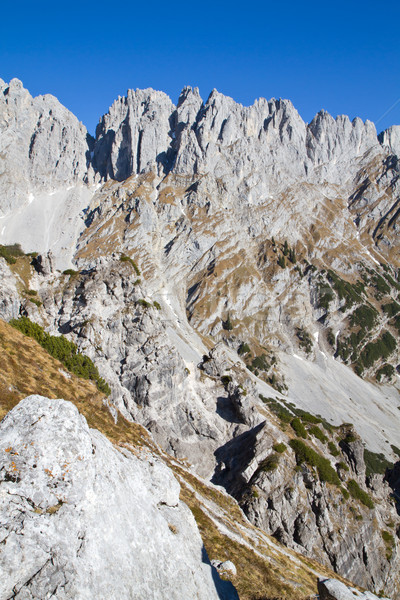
(390,138)
(88,520)
(134,136)
(331,589)
(42,146)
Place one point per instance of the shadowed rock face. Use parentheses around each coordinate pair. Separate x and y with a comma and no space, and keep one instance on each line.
(89,520)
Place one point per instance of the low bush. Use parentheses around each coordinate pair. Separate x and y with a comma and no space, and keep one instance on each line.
(376,463)
(244,349)
(381,348)
(157,305)
(143,303)
(280,447)
(385,371)
(358,494)
(261,363)
(11,253)
(391,309)
(316,432)
(124,258)
(64,351)
(333,449)
(305,454)
(298,428)
(270,463)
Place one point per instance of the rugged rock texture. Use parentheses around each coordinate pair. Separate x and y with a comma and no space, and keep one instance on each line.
(330,589)
(42,146)
(81,519)
(232,251)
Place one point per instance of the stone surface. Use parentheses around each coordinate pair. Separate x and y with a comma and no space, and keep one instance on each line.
(331,589)
(81,519)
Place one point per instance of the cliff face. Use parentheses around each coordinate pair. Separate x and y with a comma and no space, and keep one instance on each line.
(231,259)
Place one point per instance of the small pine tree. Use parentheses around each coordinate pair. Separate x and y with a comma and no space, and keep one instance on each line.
(285,248)
(273,241)
(281,261)
(292,256)
(227,325)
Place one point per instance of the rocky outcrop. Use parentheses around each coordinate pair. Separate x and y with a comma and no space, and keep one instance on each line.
(90,520)
(331,589)
(43,146)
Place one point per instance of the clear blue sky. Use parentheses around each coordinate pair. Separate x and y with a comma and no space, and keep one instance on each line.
(342,56)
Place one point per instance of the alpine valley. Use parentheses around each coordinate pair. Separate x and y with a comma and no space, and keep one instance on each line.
(200,357)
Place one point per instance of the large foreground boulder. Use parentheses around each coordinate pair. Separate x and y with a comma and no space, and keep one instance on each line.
(82,520)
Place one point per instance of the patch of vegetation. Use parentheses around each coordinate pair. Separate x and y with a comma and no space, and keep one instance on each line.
(282,261)
(358,494)
(345,493)
(305,340)
(243,349)
(64,351)
(279,447)
(299,428)
(225,380)
(333,449)
(270,463)
(143,303)
(36,301)
(30,292)
(364,316)
(385,371)
(389,543)
(325,296)
(71,272)
(305,454)
(124,258)
(376,463)
(391,309)
(342,466)
(276,407)
(381,348)
(316,432)
(330,338)
(260,362)
(11,253)
(395,449)
(157,305)
(350,293)
(227,325)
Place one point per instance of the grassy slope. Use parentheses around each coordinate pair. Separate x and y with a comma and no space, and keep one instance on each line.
(265,570)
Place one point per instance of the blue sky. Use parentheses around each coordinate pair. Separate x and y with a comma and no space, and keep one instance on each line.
(343,56)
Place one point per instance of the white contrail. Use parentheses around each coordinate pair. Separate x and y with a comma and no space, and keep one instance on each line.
(388,111)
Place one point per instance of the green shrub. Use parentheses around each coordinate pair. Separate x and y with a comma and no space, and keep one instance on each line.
(270,463)
(227,325)
(345,493)
(282,261)
(157,305)
(279,447)
(385,371)
(316,432)
(225,380)
(276,407)
(376,463)
(299,428)
(396,450)
(305,340)
(365,316)
(358,494)
(381,348)
(71,272)
(124,258)
(391,309)
(63,350)
(11,253)
(260,362)
(243,349)
(341,465)
(143,303)
(306,454)
(333,449)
